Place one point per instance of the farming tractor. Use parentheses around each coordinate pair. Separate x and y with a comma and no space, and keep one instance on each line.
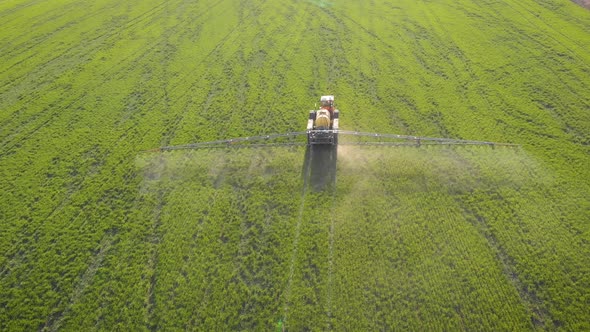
(322,125)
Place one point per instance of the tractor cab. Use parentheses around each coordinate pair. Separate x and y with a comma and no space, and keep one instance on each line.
(327,102)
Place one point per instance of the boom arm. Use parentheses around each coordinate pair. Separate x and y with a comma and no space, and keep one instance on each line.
(369,139)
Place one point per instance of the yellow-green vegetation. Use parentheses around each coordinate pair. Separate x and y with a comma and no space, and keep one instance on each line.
(96,235)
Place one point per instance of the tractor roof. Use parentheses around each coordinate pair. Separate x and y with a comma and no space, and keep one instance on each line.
(327,98)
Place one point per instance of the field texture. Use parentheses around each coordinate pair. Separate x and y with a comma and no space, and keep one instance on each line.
(97,235)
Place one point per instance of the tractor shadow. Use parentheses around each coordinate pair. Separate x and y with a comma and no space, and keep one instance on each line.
(319,167)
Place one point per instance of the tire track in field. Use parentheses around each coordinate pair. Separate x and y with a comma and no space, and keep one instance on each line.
(49,113)
(306,180)
(22,255)
(582,97)
(347,23)
(296,39)
(77,188)
(33,41)
(548,96)
(150,102)
(97,41)
(539,20)
(88,86)
(154,242)
(533,305)
(179,119)
(54,322)
(356,160)
(452,48)
(330,324)
(14,9)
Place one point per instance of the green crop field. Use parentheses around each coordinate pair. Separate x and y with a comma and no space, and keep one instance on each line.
(96,234)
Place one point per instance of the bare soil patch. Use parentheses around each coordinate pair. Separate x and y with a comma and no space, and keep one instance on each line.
(583,3)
